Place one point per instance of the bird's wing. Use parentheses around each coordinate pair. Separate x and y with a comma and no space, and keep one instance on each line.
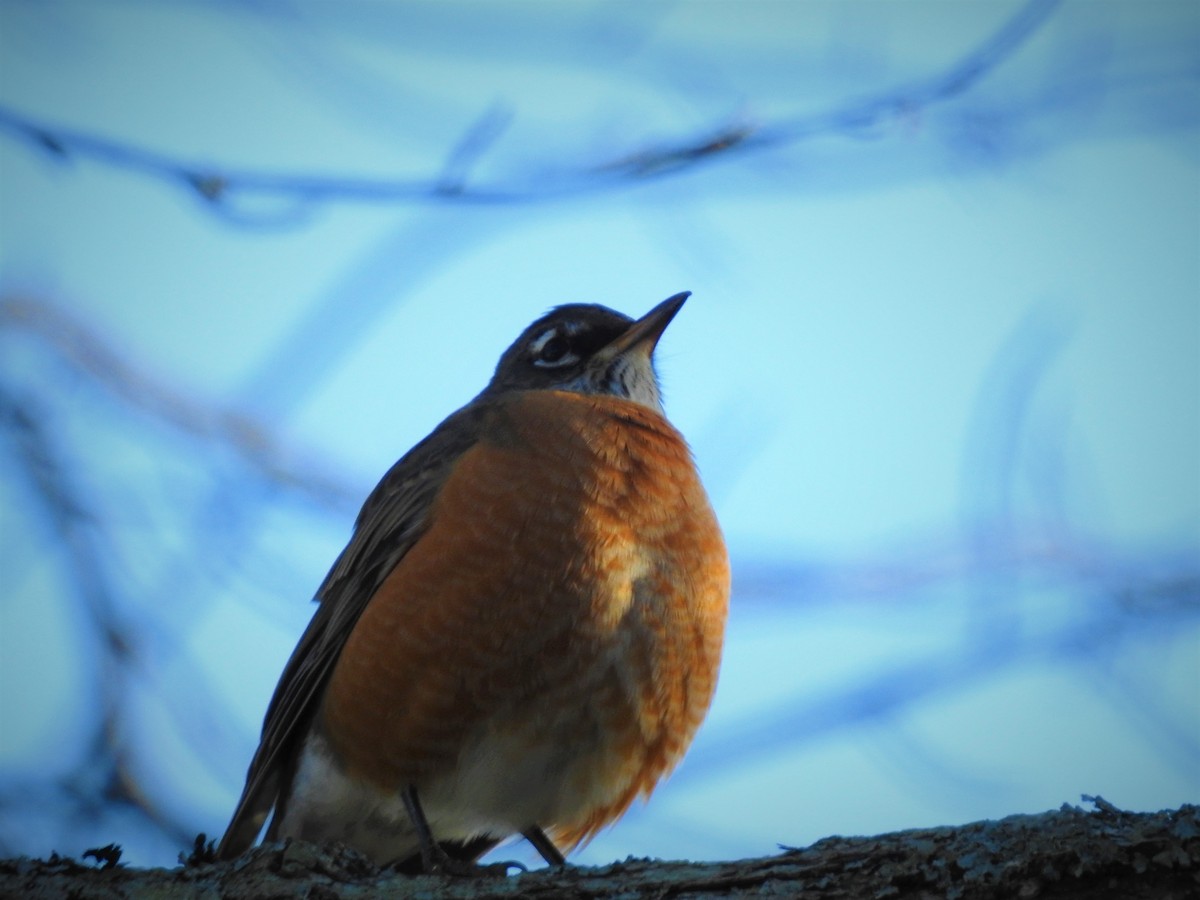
(391,520)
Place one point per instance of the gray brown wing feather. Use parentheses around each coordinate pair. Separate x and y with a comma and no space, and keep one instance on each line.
(391,520)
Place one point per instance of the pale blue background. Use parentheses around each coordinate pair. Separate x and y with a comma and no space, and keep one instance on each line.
(940,373)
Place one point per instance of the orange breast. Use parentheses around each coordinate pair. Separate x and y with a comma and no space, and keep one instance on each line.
(572,576)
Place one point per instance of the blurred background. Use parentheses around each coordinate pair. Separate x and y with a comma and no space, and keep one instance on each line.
(941,373)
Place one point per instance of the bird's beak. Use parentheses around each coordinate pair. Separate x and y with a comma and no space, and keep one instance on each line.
(646,331)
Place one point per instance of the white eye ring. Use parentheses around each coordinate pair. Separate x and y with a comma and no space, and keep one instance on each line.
(539,345)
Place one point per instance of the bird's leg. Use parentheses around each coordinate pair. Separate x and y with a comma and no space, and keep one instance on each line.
(543,845)
(434,858)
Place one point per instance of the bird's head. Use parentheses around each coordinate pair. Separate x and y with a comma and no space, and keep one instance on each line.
(588,349)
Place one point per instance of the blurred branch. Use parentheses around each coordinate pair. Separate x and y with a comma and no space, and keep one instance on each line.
(473,145)
(74,531)
(854,118)
(884,693)
(103,774)
(253,442)
(220,186)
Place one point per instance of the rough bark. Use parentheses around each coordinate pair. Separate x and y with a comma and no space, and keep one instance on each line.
(1068,853)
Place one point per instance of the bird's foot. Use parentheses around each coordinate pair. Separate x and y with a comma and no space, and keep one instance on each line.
(441,863)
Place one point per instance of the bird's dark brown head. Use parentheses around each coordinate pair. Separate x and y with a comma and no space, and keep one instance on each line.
(588,349)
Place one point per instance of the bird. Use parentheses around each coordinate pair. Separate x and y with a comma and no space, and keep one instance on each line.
(524,632)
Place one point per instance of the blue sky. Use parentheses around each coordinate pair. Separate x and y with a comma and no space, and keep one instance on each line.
(940,371)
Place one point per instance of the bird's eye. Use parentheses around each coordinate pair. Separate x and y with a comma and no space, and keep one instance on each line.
(551,350)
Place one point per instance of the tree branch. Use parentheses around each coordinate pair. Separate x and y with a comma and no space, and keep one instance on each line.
(1069,853)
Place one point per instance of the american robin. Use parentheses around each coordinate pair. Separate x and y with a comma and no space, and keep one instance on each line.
(524,631)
